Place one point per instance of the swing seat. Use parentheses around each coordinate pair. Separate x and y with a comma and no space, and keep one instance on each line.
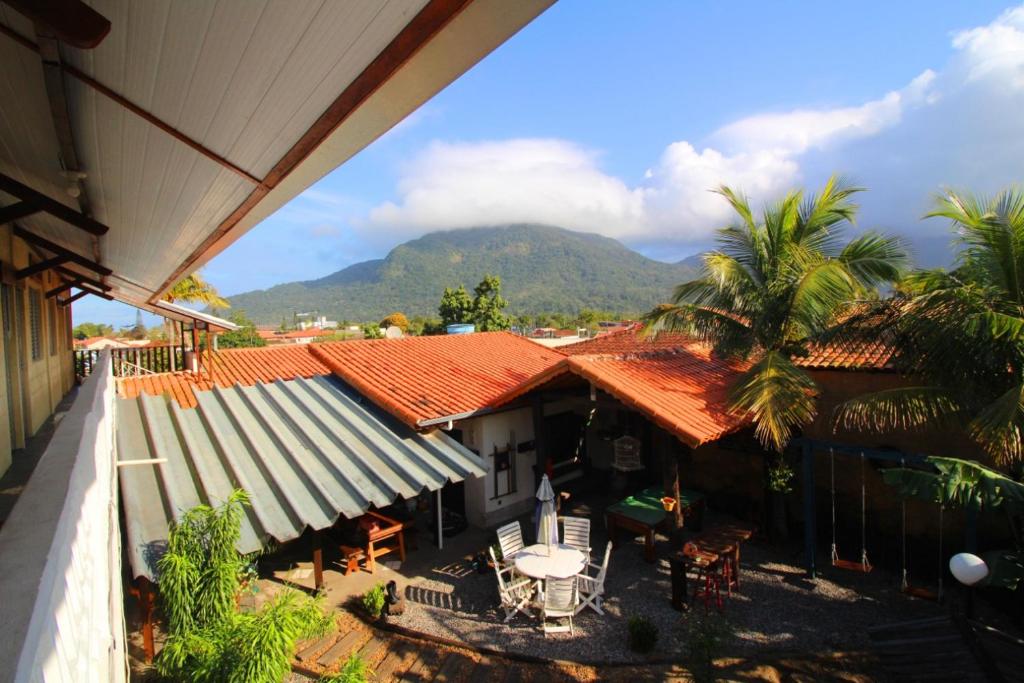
(921,593)
(850,565)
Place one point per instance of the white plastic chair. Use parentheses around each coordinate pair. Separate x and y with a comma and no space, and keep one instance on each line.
(560,599)
(510,539)
(515,591)
(591,587)
(576,534)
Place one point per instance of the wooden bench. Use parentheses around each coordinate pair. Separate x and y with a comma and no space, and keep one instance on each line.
(350,557)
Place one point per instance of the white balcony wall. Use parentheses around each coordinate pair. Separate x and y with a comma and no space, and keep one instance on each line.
(60,554)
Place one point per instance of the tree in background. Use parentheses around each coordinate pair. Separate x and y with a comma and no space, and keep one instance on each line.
(138,330)
(86,330)
(244,337)
(396,319)
(421,326)
(776,284)
(372,331)
(456,306)
(208,639)
(489,304)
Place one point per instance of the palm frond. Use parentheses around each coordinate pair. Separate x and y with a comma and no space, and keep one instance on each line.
(875,259)
(779,397)
(998,426)
(903,408)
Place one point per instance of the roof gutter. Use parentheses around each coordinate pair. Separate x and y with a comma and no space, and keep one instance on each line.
(434,421)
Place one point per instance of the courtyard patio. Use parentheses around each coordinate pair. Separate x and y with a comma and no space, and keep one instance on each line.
(776,610)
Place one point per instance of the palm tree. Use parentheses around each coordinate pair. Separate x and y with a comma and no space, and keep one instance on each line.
(962,333)
(774,285)
(193,289)
(196,290)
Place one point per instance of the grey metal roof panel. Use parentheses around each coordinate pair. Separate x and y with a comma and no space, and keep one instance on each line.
(307,451)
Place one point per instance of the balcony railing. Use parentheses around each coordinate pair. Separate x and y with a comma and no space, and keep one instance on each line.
(132,361)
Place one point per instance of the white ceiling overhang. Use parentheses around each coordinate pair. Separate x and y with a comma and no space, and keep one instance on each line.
(192,122)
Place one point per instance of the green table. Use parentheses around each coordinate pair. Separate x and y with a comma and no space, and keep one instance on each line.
(643,512)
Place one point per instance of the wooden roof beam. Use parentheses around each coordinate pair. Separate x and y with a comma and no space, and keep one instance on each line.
(73,21)
(51,206)
(40,267)
(16,211)
(74,275)
(63,287)
(61,251)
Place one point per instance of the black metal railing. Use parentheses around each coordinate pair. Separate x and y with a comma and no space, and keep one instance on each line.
(129,361)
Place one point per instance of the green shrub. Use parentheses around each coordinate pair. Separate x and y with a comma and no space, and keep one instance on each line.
(354,670)
(643,634)
(373,600)
(706,635)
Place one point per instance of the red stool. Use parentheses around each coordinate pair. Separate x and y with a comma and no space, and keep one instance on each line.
(709,574)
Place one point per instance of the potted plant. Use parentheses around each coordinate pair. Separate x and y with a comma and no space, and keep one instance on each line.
(373,601)
(643,635)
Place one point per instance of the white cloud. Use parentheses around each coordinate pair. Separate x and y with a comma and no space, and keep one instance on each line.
(959,125)
(513,181)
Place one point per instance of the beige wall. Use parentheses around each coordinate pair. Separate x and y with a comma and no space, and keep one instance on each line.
(37,381)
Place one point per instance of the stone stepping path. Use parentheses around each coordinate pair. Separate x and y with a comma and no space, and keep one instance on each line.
(391,657)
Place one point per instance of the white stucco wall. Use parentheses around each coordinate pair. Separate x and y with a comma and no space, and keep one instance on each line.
(483,434)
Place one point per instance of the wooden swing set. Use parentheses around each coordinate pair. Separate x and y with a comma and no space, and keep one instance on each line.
(863,563)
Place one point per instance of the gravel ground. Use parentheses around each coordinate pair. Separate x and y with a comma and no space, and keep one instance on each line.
(778,608)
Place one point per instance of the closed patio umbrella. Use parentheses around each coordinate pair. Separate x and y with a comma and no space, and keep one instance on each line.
(547,518)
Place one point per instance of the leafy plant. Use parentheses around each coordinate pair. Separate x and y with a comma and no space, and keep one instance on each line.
(208,640)
(773,287)
(961,333)
(706,635)
(780,475)
(373,600)
(353,670)
(397,319)
(643,634)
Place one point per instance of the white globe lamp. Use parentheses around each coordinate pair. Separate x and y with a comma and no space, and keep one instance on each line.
(968,568)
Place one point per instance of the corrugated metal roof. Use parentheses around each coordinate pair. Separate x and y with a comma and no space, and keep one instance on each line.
(305,450)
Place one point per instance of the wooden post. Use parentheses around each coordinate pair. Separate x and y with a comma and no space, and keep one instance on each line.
(147,598)
(318,560)
(670,480)
(810,510)
(195,350)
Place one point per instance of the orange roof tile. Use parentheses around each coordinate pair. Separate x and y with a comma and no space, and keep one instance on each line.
(422,379)
(230,367)
(684,390)
(845,355)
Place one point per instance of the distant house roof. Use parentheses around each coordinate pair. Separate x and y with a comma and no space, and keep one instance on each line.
(683,390)
(306,451)
(839,355)
(230,366)
(428,380)
(303,334)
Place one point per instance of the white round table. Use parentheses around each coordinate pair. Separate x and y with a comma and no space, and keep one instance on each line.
(561,562)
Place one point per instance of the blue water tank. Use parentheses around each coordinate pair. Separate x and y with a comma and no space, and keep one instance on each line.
(461,328)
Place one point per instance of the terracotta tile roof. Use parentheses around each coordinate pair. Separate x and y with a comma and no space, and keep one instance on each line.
(851,355)
(628,340)
(683,390)
(230,367)
(420,379)
(845,355)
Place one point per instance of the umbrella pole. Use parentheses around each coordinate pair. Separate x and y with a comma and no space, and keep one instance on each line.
(440,527)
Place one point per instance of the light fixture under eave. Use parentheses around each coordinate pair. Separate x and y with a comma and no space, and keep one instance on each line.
(968,568)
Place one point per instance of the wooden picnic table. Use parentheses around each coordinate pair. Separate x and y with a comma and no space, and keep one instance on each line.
(642,513)
(721,541)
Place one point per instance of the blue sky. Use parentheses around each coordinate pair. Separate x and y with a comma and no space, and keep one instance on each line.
(617,117)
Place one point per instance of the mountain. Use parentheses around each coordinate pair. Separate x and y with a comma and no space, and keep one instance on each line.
(542,269)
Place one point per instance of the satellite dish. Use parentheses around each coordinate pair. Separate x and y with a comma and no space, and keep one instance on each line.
(393,332)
